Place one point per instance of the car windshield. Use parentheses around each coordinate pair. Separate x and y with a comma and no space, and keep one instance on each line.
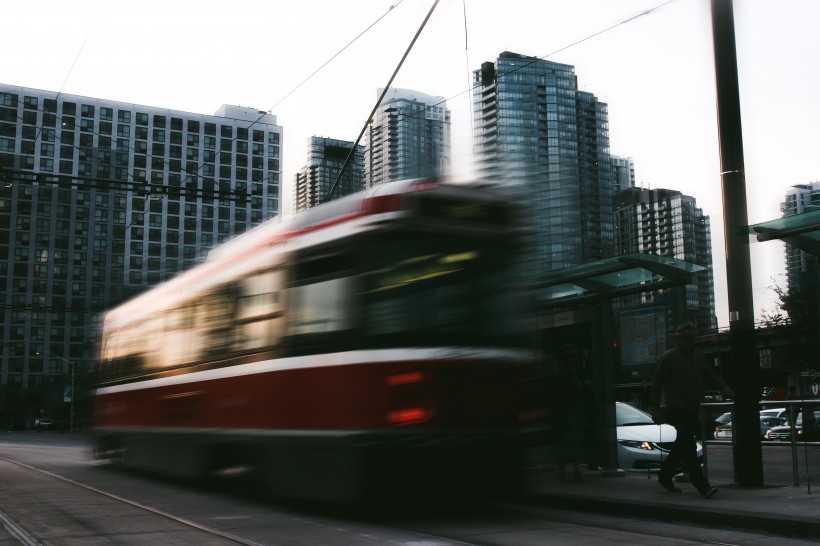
(627,416)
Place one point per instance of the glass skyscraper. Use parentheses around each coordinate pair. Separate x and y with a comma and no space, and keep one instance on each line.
(668,223)
(801,266)
(326,157)
(541,138)
(409,137)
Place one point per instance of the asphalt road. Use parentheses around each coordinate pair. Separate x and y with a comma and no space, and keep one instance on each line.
(52,492)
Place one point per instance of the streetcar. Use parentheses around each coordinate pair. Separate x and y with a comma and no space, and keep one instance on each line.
(371,345)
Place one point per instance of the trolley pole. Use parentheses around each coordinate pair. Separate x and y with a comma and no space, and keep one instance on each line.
(745,376)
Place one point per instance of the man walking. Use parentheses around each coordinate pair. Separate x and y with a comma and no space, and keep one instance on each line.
(680,378)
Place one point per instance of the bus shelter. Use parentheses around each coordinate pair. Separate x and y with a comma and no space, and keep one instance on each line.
(802,231)
(574,305)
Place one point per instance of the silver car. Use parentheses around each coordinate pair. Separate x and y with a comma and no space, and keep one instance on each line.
(643,445)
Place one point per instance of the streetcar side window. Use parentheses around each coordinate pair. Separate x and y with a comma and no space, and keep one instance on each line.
(214,315)
(321,296)
(179,336)
(149,340)
(321,307)
(261,309)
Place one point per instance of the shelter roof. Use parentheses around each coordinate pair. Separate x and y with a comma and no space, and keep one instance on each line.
(611,277)
(800,230)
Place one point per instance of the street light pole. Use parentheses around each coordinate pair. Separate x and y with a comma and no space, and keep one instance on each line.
(71,406)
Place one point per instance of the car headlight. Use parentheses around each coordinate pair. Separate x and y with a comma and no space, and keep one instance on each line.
(636,444)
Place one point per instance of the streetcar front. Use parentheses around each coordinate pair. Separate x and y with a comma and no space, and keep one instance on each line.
(426,294)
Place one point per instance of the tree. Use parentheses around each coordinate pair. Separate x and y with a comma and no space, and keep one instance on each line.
(798,311)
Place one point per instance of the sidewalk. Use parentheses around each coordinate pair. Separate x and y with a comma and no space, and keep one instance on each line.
(779,510)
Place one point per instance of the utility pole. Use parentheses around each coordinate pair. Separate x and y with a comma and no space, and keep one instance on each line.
(71,406)
(748,459)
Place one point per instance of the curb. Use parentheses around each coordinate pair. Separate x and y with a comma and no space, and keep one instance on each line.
(776,524)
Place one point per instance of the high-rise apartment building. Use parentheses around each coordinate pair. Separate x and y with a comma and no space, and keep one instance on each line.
(101,199)
(408,137)
(623,174)
(537,135)
(669,223)
(326,157)
(801,266)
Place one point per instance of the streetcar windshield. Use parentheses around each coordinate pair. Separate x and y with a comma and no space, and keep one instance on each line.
(441,291)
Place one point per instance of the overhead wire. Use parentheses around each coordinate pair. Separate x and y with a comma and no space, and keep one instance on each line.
(333,57)
(163,190)
(329,194)
(467,65)
(544,57)
(362,33)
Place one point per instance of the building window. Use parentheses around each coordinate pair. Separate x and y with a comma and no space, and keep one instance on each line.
(8,99)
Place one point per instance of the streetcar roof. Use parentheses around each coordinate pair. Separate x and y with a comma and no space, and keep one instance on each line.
(376,200)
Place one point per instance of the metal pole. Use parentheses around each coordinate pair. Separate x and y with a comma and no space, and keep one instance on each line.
(71,418)
(71,406)
(745,376)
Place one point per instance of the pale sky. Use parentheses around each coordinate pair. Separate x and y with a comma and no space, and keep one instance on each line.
(656,73)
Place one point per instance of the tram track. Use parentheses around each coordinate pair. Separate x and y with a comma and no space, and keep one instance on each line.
(55,497)
(11,518)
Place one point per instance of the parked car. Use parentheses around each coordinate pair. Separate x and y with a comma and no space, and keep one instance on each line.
(44,423)
(642,444)
(784,432)
(722,420)
(725,419)
(724,432)
(775,412)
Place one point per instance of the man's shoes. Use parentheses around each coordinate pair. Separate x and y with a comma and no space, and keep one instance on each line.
(667,484)
(708,492)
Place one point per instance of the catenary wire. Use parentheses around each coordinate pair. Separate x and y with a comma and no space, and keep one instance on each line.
(544,57)
(238,197)
(378,102)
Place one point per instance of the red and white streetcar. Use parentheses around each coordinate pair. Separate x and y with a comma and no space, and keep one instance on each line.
(371,344)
